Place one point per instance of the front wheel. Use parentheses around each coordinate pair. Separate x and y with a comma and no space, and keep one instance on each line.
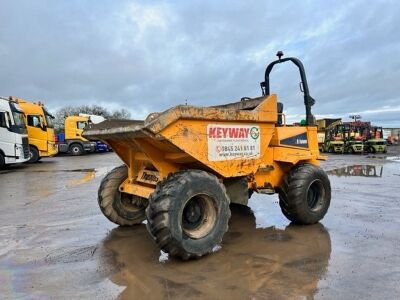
(33,154)
(305,194)
(2,161)
(188,213)
(120,208)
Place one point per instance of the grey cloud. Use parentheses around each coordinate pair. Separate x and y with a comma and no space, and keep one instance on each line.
(148,56)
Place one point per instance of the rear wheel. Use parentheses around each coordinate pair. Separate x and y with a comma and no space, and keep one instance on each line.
(76,149)
(121,208)
(330,150)
(305,194)
(350,151)
(188,213)
(34,155)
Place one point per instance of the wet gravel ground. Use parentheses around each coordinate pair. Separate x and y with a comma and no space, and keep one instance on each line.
(55,244)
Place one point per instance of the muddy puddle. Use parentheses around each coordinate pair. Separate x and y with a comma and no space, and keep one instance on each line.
(358,170)
(393,158)
(89,174)
(263,256)
(79,176)
(251,263)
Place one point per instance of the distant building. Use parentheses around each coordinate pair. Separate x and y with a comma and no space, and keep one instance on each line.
(392,135)
(324,123)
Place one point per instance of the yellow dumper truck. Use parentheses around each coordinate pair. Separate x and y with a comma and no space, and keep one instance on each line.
(40,130)
(72,141)
(184,166)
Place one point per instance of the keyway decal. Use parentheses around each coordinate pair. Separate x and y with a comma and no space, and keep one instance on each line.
(227,142)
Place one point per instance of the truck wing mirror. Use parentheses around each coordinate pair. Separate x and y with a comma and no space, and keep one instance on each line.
(7,119)
(42,125)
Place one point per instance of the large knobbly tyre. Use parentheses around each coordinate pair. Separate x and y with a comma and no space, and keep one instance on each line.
(120,208)
(188,213)
(305,194)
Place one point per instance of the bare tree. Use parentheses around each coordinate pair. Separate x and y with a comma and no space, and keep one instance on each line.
(120,114)
(64,112)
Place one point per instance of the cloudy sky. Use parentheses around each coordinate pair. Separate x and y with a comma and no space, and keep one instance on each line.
(149,55)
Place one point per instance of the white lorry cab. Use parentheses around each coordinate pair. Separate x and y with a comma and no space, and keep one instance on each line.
(14,146)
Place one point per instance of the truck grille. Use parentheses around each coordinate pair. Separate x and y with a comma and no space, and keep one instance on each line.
(25,147)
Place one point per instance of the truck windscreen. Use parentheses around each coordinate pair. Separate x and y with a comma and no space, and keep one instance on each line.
(19,120)
(49,118)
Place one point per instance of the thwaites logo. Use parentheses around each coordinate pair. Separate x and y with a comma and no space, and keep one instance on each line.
(227,142)
(148,176)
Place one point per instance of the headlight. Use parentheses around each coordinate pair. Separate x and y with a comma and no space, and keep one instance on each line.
(19,149)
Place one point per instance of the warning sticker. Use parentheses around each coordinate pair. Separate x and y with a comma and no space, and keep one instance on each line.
(227,142)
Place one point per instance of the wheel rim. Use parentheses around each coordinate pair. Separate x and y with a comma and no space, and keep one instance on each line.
(131,203)
(315,195)
(199,216)
(75,149)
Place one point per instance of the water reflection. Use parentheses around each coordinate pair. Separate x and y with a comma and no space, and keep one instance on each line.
(358,170)
(84,179)
(88,176)
(253,262)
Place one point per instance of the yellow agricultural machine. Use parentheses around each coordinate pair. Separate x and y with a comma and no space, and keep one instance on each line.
(184,166)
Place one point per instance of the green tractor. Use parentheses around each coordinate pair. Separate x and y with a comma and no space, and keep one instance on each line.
(352,141)
(375,142)
(333,146)
(354,146)
(333,141)
(375,146)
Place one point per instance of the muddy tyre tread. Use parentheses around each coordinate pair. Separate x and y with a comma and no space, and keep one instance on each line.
(158,216)
(108,186)
(291,194)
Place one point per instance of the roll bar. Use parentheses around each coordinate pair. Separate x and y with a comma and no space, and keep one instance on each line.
(308,100)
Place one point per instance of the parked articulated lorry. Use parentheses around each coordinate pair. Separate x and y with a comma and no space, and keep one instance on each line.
(14,147)
(72,141)
(40,130)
